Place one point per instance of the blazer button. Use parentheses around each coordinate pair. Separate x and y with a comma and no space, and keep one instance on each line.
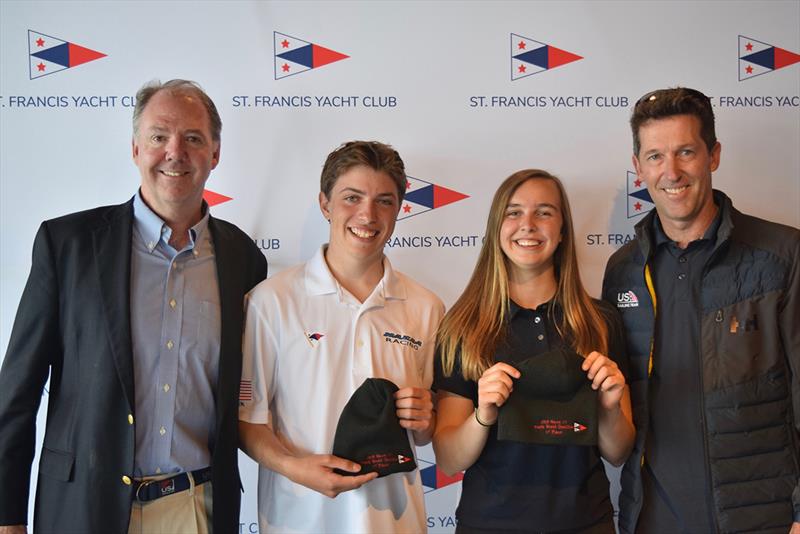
(126,480)
(130,418)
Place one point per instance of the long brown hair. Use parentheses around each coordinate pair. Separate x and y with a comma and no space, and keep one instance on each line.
(477,322)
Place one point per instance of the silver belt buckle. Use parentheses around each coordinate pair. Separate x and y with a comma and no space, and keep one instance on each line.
(142,484)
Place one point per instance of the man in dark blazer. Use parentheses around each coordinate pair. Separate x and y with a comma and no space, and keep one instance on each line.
(135,313)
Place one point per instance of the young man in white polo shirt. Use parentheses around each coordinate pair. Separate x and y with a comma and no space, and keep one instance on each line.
(313,334)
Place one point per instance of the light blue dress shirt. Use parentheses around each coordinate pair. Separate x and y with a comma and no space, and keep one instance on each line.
(175,327)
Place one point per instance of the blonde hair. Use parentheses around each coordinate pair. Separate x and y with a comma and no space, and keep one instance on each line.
(477,322)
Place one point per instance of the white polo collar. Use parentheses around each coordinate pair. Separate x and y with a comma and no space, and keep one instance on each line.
(320,281)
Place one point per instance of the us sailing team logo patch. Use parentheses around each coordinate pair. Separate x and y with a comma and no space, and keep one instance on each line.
(628,299)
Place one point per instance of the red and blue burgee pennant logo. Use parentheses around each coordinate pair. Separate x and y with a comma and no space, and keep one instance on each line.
(757,58)
(422,196)
(434,478)
(49,55)
(213,198)
(530,57)
(293,55)
(314,337)
(639,199)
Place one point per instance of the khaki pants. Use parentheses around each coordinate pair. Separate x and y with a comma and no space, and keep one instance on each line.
(186,512)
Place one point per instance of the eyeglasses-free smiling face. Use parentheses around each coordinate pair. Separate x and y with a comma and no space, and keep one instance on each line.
(362,210)
(676,166)
(531,229)
(175,153)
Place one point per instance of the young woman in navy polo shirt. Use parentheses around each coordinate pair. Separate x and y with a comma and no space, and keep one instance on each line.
(525,298)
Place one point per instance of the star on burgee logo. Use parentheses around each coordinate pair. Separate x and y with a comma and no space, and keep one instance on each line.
(639,199)
(293,55)
(530,57)
(422,196)
(49,55)
(757,58)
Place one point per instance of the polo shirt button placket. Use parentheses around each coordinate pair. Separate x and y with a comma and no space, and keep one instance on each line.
(537,320)
(683,260)
(360,354)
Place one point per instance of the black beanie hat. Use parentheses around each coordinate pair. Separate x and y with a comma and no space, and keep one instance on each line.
(369,432)
(553,402)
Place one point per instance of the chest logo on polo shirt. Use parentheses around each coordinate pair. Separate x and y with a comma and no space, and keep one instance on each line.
(313,338)
(627,300)
(402,339)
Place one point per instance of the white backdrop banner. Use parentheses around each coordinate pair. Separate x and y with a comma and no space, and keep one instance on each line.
(468,92)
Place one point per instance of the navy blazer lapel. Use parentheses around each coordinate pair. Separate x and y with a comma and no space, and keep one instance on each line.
(112,255)
(231,307)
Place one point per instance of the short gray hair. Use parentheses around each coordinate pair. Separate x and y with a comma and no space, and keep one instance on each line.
(177,87)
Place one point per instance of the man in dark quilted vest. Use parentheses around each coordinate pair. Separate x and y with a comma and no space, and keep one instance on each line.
(710,298)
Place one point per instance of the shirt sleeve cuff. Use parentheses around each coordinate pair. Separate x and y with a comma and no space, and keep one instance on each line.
(256,417)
